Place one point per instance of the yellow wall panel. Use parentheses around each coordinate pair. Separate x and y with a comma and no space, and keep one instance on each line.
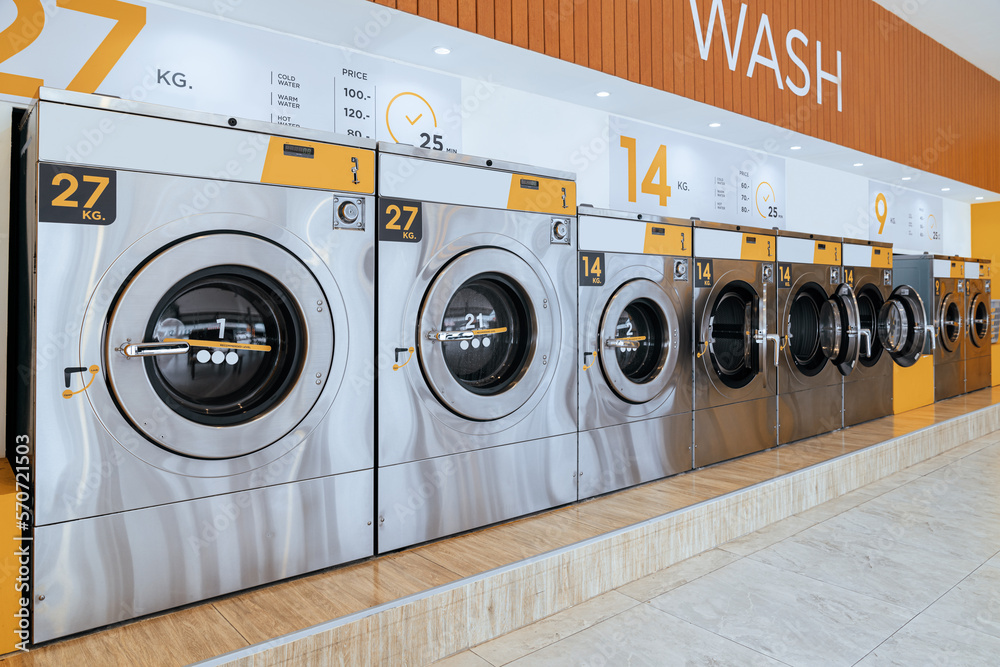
(913,387)
(986,245)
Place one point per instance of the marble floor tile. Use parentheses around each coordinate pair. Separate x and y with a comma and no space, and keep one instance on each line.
(792,618)
(670,578)
(888,483)
(538,635)
(463,659)
(995,561)
(876,566)
(832,508)
(645,636)
(765,537)
(931,641)
(974,603)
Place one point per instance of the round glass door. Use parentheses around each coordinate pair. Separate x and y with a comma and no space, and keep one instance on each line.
(901,328)
(950,322)
(849,349)
(636,339)
(814,329)
(485,334)
(979,320)
(732,346)
(211,358)
(869,304)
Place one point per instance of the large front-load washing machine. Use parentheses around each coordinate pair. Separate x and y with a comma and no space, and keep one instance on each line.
(196,381)
(477,373)
(818,325)
(978,346)
(941,282)
(736,341)
(892,329)
(635,349)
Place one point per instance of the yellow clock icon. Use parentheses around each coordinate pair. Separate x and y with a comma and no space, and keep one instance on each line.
(766,201)
(410,119)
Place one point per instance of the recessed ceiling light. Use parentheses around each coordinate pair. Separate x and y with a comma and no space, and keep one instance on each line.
(906,178)
(715,124)
(945,189)
(859,164)
(978,198)
(442,50)
(603,93)
(796,148)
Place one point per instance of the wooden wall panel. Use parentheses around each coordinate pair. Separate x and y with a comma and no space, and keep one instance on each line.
(906,98)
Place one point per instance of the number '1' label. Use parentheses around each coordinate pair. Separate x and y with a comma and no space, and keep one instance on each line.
(77,195)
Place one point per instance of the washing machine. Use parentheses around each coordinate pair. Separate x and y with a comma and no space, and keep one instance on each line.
(477,390)
(736,341)
(196,364)
(635,349)
(978,346)
(892,328)
(818,324)
(941,281)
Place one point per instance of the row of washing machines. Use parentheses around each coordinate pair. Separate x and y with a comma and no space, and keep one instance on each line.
(246,352)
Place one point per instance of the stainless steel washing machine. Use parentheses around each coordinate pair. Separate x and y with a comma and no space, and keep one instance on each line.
(978,347)
(941,281)
(892,328)
(818,324)
(635,349)
(196,373)
(736,341)
(477,390)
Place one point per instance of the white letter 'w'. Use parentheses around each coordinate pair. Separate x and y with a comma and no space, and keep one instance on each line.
(705,41)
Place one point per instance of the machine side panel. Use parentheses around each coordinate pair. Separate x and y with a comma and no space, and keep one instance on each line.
(949,379)
(733,430)
(868,399)
(803,414)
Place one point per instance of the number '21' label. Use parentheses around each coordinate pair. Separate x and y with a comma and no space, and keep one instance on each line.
(400,220)
(77,195)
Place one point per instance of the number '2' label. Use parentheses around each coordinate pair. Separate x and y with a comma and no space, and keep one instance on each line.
(400,220)
(77,195)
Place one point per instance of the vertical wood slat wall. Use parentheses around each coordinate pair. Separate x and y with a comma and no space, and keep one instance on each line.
(905,97)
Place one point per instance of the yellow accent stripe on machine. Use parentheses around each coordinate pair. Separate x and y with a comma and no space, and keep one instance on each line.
(667,240)
(9,563)
(757,247)
(881,258)
(828,252)
(957,269)
(311,164)
(541,195)
(984,270)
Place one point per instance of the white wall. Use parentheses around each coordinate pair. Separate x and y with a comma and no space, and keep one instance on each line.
(958,228)
(820,200)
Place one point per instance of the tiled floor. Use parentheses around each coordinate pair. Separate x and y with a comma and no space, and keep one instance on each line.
(905,571)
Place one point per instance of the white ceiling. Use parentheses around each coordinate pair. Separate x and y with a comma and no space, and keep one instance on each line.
(411,39)
(970,28)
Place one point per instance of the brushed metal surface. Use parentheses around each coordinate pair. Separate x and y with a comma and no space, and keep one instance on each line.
(803,414)
(728,431)
(978,372)
(949,379)
(599,404)
(869,397)
(864,277)
(424,500)
(110,568)
(413,422)
(623,455)
(790,379)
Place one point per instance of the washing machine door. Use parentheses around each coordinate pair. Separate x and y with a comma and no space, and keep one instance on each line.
(951,321)
(733,346)
(870,300)
(848,349)
(485,334)
(901,325)
(637,338)
(219,345)
(979,320)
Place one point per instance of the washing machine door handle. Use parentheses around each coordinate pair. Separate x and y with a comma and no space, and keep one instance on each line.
(153,349)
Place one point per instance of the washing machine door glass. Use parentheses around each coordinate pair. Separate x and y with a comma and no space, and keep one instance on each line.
(815,329)
(732,344)
(637,341)
(979,320)
(950,321)
(901,328)
(486,334)
(210,357)
(870,301)
(845,304)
